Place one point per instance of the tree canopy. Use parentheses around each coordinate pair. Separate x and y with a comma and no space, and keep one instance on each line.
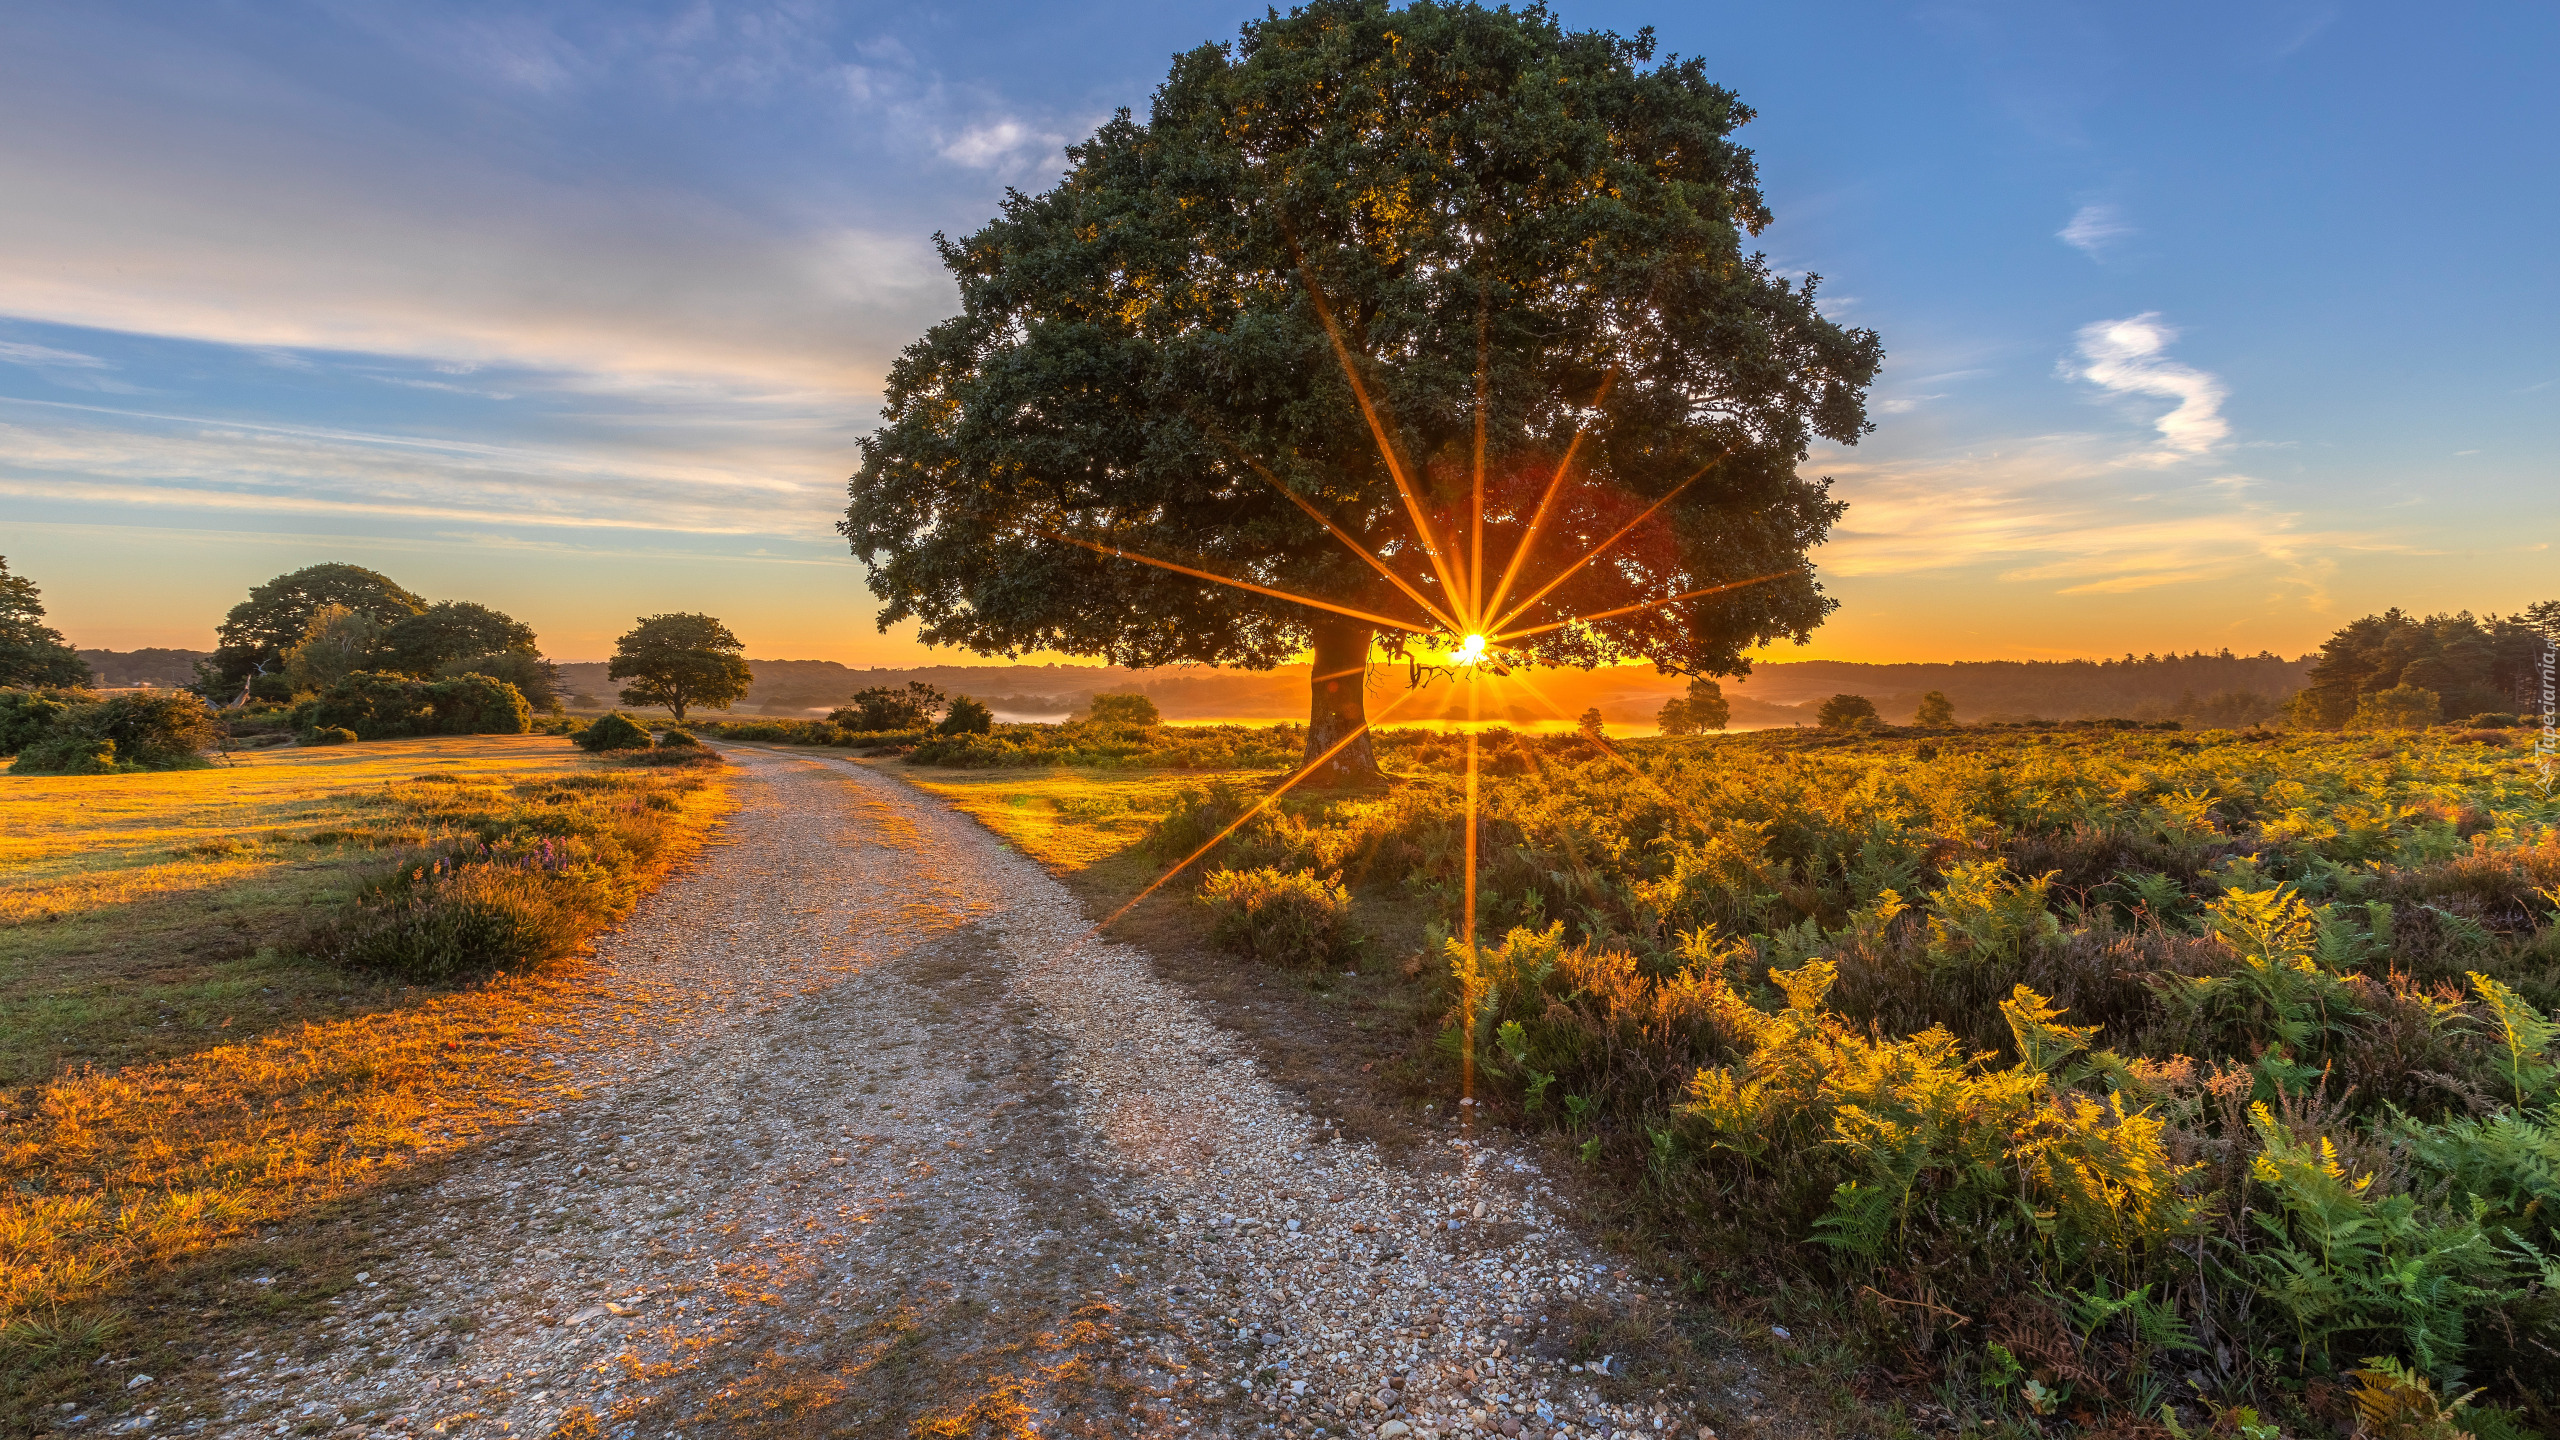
(420,644)
(1523,246)
(33,653)
(2473,665)
(680,661)
(253,638)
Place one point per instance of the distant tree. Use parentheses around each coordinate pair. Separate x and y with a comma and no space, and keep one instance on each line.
(1703,708)
(2402,707)
(1589,722)
(535,678)
(2472,664)
(888,707)
(680,661)
(420,644)
(1935,710)
(33,653)
(1123,710)
(1847,712)
(1429,183)
(336,644)
(967,717)
(257,632)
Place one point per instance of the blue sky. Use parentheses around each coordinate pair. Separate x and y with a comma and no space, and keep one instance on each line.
(2207,325)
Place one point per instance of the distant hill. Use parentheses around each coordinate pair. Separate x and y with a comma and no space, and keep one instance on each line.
(169,669)
(2222,689)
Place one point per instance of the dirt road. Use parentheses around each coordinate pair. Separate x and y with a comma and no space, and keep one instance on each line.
(902,1157)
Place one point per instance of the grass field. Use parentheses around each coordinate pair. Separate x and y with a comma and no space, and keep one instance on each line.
(184,1072)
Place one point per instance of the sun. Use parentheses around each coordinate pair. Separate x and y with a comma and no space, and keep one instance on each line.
(1470,651)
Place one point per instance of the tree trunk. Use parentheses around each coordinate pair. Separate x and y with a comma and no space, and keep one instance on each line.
(1340,705)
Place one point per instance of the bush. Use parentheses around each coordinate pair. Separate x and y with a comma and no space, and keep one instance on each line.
(25,715)
(1847,712)
(967,717)
(2494,720)
(1123,710)
(68,754)
(884,708)
(615,731)
(478,705)
(153,730)
(1281,917)
(330,735)
(2402,707)
(536,678)
(378,705)
(676,739)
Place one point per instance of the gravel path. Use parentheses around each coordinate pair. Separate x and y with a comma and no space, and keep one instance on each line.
(898,1155)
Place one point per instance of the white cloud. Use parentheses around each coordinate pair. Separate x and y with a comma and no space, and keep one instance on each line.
(2128,357)
(991,147)
(45,357)
(2092,229)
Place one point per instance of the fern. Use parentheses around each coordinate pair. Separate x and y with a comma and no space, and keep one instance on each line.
(2509,1162)
(2341,1261)
(2528,1036)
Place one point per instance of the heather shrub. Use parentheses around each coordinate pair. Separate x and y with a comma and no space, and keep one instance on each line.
(677,739)
(614,731)
(1290,918)
(329,735)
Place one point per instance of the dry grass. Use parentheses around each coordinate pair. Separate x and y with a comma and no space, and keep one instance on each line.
(181,894)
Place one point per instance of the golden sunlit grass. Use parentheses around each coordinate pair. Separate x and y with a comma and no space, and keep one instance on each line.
(1067,819)
(268,1084)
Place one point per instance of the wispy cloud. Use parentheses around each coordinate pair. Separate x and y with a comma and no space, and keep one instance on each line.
(2129,357)
(2067,515)
(45,357)
(780,479)
(2092,229)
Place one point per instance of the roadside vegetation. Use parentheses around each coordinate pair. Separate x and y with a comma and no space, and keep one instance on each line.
(232,998)
(2167,1079)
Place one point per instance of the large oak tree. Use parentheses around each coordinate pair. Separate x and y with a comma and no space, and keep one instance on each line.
(1508,233)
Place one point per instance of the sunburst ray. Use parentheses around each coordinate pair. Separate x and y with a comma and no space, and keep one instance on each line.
(1636,609)
(1118,553)
(1596,551)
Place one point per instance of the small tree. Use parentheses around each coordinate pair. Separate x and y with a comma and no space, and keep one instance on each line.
(1847,712)
(887,707)
(2402,707)
(967,717)
(33,653)
(1123,710)
(1935,710)
(680,661)
(1590,722)
(1708,709)
(336,644)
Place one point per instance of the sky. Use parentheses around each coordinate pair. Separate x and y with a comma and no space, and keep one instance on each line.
(2207,325)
